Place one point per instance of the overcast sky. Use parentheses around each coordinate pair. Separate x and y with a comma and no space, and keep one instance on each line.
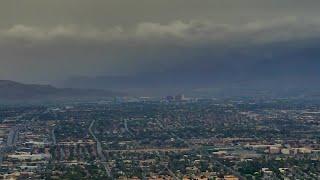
(51,40)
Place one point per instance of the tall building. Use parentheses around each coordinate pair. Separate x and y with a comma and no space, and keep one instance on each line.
(179,97)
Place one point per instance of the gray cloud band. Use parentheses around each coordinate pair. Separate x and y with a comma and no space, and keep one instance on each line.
(285,28)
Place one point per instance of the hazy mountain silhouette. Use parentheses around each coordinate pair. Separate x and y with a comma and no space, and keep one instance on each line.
(273,76)
(11,91)
(288,67)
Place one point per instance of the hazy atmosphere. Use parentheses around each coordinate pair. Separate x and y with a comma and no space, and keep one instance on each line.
(109,44)
(160,89)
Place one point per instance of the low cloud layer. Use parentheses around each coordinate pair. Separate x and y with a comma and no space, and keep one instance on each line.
(281,29)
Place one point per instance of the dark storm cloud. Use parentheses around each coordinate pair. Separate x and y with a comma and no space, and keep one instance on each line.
(52,40)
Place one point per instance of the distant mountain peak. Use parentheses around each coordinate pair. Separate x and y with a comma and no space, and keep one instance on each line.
(11,91)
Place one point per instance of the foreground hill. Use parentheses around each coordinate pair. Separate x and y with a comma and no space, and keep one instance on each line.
(11,91)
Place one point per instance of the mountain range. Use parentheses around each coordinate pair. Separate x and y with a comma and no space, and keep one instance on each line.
(276,77)
(11,91)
